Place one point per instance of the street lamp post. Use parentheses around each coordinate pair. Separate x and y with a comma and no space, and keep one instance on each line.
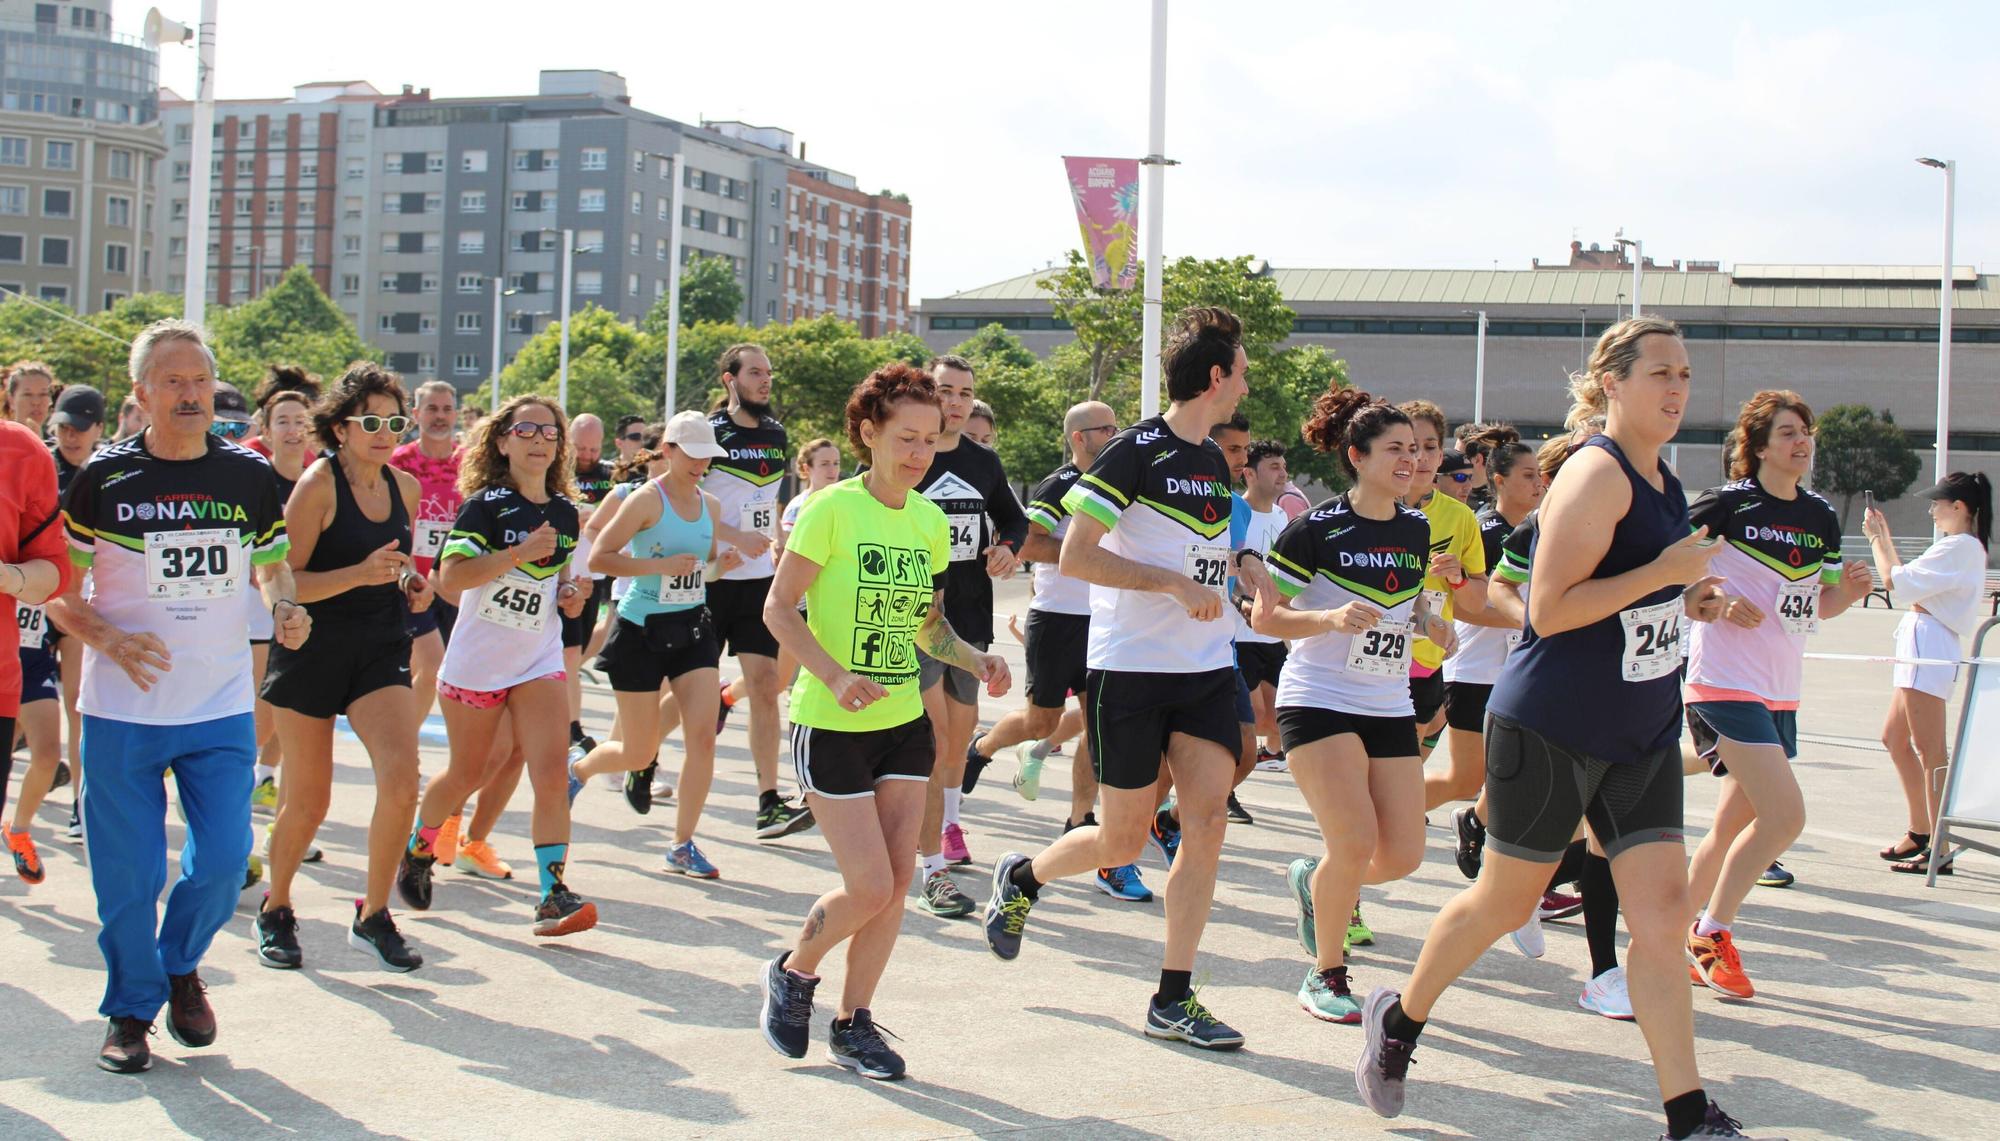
(1582,340)
(1156,164)
(1638,265)
(160,30)
(1950,168)
(568,266)
(1479,368)
(499,291)
(669,382)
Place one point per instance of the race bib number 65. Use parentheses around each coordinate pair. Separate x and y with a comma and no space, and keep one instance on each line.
(184,565)
(761,516)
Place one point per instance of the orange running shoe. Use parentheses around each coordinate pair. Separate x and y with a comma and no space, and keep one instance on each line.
(446,846)
(1715,964)
(481,861)
(27,861)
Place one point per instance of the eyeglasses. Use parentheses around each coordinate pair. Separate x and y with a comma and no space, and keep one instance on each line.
(1456,476)
(1109,429)
(633,438)
(372,424)
(528,430)
(230,429)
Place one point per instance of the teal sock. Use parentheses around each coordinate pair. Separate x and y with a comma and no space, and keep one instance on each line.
(549,860)
(422,839)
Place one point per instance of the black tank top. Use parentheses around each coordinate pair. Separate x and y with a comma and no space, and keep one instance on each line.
(349,539)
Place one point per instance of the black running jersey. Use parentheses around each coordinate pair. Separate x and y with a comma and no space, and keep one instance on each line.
(969,486)
(1329,557)
(745,482)
(507,631)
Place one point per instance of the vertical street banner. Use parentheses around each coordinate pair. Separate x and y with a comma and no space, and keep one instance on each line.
(1106,193)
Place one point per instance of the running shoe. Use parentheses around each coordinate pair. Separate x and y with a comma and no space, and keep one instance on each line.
(1270,762)
(563,912)
(27,861)
(782,819)
(1471,846)
(413,880)
(1027,770)
(1358,934)
(189,1017)
(253,871)
(687,860)
(1384,1065)
(1606,995)
(377,935)
(264,798)
(1187,1020)
(313,854)
(1298,877)
(125,1050)
(586,742)
(1166,836)
(1715,964)
(1006,908)
(1529,939)
(75,832)
(942,897)
(788,1007)
(1719,1124)
(1124,883)
(1556,905)
(1776,876)
(482,861)
(663,789)
(276,930)
(1325,996)
(61,778)
(721,719)
(952,847)
(576,753)
(445,847)
(858,1046)
(639,787)
(1237,813)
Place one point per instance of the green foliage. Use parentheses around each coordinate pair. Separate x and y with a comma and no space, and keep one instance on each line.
(1282,392)
(709,293)
(615,380)
(1028,401)
(292,322)
(1858,451)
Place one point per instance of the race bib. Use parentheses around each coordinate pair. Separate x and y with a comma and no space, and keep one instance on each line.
(430,537)
(964,537)
(683,589)
(1798,607)
(761,516)
(1383,651)
(516,602)
(184,565)
(1207,565)
(1652,641)
(34,623)
(1436,600)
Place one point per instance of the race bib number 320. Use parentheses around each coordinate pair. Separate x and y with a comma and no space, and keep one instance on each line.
(1207,565)
(516,602)
(1652,641)
(184,565)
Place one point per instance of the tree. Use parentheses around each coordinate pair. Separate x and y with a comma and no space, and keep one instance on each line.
(1860,451)
(618,364)
(1028,401)
(76,353)
(709,292)
(1282,392)
(293,322)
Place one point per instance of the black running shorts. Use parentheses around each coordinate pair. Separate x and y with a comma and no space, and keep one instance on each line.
(633,666)
(1536,791)
(334,669)
(576,631)
(1132,716)
(737,607)
(1055,653)
(847,766)
(1261,662)
(1381,737)
(1465,705)
(1427,694)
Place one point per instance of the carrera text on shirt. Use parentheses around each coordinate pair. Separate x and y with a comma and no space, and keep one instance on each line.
(1777,553)
(508,631)
(1329,557)
(1056,592)
(745,482)
(1166,504)
(170,546)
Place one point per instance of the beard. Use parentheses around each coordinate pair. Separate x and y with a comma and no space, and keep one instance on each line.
(753,407)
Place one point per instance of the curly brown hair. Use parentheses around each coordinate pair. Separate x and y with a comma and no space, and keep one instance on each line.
(874,398)
(482,466)
(1753,428)
(1344,418)
(1429,413)
(349,397)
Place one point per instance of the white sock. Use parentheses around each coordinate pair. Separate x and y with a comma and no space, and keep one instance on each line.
(1706,927)
(951,798)
(934,864)
(265,772)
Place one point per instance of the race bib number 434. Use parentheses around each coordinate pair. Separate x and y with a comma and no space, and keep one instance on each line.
(184,565)
(1798,607)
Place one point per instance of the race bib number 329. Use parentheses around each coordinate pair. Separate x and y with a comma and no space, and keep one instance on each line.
(184,565)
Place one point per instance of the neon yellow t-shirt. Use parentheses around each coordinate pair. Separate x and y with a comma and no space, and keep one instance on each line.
(1454,528)
(879,568)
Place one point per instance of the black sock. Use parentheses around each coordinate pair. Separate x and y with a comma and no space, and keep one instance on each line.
(575,732)
(1400,1026)
(1165,820)
(1089,821)
(1023,877)
(974,765)
(1174,986)
(1686,1112)
(1600,913)
(767,799)
(1570,867)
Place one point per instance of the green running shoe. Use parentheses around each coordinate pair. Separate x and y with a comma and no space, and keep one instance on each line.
(1358,934)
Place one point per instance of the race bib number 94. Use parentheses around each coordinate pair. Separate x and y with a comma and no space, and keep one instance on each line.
(1383,651)
(516,602)
(1208,566)
(184,565)
(964,537)
(1652,641)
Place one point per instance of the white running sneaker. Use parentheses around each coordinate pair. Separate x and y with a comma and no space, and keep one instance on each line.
(663,789)
(1528,938)
(1606,995)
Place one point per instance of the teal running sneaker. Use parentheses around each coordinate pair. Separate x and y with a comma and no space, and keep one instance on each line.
(1299,878)
(1124,883)
(1027,770)
(1325,996)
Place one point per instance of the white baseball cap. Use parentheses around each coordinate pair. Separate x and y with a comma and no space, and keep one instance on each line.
(691,433)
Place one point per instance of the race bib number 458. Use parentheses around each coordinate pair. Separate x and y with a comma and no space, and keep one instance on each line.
(183,565)
(516,602)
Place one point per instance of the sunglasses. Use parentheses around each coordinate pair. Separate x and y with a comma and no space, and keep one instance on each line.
(230,429)
(1456,476)
(372,424)
(528,430)
(633,438)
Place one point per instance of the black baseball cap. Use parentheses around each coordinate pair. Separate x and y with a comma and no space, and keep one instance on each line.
(229,402)
(1454,460)
(1965,487)
(80,406)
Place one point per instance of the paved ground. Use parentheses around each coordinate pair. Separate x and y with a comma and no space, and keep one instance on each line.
(1875,1017)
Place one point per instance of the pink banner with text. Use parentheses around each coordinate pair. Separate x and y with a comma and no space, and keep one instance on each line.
(1106,193)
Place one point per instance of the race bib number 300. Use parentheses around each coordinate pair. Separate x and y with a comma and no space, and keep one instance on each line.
(34,623)
(1208,566)
(184,565)
(1383,651)
(516,602)
(1798,607)
(1652,641)
(683,589)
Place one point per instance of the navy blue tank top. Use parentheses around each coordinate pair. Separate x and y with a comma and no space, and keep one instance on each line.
(1609,690)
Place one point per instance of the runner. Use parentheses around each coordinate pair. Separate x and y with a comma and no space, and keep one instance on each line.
(745,483)
(432,458)
(1455,475)
(1261,658)
(1233,437)
(168,523)
(32,570)
(629,435)
(285,431)
(1148,522)
(278,380)
(355,579)
(1350,730)
(663,635)
(31,390)
(979,424)
(1456,581)
(1942,589)
(580,635)
(508,558)
(132,418)
(967,483)
(868,557)
(78,424)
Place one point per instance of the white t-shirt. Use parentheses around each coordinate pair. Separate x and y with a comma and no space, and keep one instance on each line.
(1946,580)
(1264,529)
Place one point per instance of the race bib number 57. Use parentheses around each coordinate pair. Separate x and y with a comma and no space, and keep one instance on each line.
(184,565)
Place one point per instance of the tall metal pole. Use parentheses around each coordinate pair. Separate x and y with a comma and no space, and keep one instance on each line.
(1950,168)
(669,400)
(194,294)
(499,284)
(1638,272)
(568,264)
(1156,169)
(1479,372)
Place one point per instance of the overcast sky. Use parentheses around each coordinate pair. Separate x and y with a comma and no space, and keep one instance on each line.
(1311,134)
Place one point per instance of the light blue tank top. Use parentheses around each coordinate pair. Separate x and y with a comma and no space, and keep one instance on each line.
(672,535)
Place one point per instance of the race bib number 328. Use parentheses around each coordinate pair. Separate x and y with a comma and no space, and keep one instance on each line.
(1207,565)
(184,565)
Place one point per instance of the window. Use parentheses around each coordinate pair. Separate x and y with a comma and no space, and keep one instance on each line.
(427,362)
(660,249)
(693,219)
(471,282)
(472,202)
(55,294)
(246,129)
(472,162)
(590,241)
(434,163)
(350,245)
(274,207)
(472,241)
(465,364)
(430,283)
(631,285)
(632,246)
(117,258)
(303,244)
(774,198)
(427,324)
(278,135)
(385,323)
(664,207)
(246,168)
(388,283)
(350,285)
(13,249)
(184,133)
(770,271)
(392,164)
(521,283)
(308,170)
(771,308)
(117,211)
(56,203)
(13,200)
(771,235)
(593,159)
(589,282)
(59,154)
(55,251)
(659,288)
(305,206)
(638,203)
(392,204)
(179,210)
(357,169)
(182,169)
(392,242)
(468,322)
(177,246)
(118,164)
(638,162)
(274,168)
(433,203)
(590,201)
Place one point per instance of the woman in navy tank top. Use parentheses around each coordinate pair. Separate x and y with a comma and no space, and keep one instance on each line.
(1585,723)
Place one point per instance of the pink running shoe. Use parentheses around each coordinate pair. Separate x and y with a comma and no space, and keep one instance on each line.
(953,847)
